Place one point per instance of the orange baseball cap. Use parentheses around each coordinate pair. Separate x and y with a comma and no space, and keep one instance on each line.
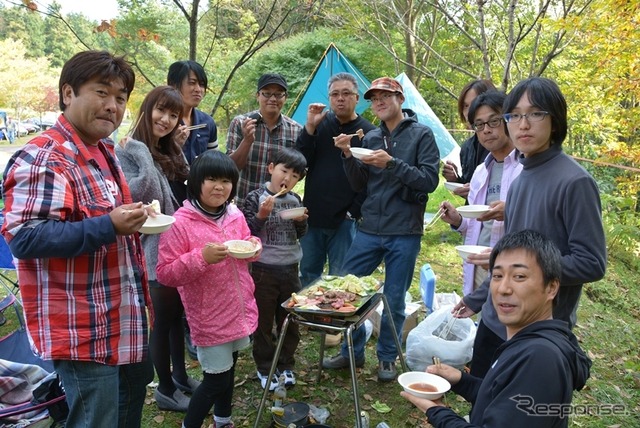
(384,84)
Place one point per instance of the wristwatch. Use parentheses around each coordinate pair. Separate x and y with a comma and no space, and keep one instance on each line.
(391,163)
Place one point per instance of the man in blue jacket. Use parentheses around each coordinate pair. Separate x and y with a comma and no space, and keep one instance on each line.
(534,373)
(398,174)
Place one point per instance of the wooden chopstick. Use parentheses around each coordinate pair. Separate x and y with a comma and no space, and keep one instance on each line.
(281,192)
(192,127)
(441,211)
(359,133)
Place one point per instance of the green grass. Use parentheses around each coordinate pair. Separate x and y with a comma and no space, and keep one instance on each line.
(608,330)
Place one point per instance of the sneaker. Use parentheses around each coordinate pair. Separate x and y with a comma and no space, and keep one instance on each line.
(387,371)
(191,385)
(227,425)
(339,362)
(263,381)
(178,402)
(289,377)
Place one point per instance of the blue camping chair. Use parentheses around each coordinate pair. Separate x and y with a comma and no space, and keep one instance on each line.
(6,266)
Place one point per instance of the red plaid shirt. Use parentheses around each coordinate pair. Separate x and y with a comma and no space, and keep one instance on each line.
(90,307)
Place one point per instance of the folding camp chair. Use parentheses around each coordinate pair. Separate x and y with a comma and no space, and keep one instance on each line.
(30,391)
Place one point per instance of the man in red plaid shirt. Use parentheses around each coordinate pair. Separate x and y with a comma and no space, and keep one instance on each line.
(71,223)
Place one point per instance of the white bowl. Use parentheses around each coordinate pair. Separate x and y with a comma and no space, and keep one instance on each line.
(466,250)
(240,249)
(473,211)
(360,152)
(158,224)
(291,213)
(411,379)
(451,186)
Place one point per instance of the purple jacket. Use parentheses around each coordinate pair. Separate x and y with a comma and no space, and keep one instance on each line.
(217,298)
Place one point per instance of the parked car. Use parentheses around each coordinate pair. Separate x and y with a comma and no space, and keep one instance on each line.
(31,128)
(23,129)
(43,123)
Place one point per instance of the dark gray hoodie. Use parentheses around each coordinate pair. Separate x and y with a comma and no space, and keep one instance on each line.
(385,211)
(530,383)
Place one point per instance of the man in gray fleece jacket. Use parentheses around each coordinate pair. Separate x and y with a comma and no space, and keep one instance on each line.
(554,196)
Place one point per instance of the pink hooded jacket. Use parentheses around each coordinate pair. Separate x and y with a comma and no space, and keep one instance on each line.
(218,298)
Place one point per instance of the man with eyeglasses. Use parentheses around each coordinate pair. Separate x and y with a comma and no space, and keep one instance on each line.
(553,195)
(398,175)
(333,205)
(255,137)
(489,186)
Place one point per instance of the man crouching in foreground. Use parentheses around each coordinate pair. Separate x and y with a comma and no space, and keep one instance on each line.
(534,373)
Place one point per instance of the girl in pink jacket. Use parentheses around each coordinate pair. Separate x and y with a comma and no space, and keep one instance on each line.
(216,289)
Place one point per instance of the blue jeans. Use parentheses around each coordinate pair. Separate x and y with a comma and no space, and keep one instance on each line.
(399,253)
(90,389)
(318,244)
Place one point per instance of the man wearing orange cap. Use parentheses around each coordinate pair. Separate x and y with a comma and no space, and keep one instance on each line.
(398,174)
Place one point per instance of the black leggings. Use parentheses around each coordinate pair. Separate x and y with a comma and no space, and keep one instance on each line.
(166,341)
(215,389)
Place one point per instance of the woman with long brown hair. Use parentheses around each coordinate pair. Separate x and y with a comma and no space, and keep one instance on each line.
(156,169)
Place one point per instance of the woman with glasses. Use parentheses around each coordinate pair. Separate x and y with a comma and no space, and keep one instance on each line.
(553,195)
(255,137)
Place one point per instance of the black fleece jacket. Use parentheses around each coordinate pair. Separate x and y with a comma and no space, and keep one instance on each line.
(530,383)
(327,194)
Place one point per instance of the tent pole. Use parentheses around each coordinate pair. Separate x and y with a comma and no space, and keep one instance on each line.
(293,106)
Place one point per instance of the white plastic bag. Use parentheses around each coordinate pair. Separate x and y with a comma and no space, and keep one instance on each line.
(455,347)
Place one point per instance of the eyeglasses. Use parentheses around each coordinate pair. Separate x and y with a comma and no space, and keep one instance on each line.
(277,95)
(493,123)
(343,94)
(383,97)
(534,116)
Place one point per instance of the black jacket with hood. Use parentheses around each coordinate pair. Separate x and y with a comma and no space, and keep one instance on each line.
(386,211)
(530,383)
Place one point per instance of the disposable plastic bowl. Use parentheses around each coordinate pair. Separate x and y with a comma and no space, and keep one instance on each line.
(410,380)
(291,213)
(240,249)
(473,211)
(360,152)
(451,186)
(158,224)
(466,250)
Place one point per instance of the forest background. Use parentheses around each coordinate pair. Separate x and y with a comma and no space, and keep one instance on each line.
(589,47)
